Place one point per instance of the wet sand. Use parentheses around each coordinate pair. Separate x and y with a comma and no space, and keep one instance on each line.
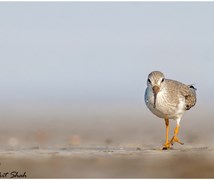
(111,143)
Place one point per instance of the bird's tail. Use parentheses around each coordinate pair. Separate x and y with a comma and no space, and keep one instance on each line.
(193,89)
(191,99)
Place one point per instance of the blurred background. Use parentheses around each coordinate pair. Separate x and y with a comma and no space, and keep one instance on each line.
(74,73)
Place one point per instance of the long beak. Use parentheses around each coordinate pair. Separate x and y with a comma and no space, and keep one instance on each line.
(155,92)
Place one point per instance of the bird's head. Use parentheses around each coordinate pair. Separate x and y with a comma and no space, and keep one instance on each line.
(155,81)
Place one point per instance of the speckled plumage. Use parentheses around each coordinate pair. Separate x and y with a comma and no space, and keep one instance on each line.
(168,99)
(173,99)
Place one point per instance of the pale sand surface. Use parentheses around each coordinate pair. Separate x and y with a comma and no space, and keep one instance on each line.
(100,162)
(104,143)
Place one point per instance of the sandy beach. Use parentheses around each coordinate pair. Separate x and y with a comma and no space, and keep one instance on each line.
(99,162)
(113,142)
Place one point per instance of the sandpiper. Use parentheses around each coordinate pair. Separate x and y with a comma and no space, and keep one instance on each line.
(168,99)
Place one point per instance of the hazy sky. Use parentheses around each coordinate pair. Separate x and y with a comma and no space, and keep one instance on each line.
(102,51)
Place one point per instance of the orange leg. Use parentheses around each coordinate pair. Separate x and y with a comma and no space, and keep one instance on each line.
(175,138)
(167,143)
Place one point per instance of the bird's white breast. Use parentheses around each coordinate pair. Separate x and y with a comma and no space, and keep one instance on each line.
(164,107)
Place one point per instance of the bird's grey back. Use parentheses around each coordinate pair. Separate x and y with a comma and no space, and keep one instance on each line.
(187,91)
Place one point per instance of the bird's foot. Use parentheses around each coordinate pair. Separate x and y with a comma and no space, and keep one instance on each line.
(175,139)
(166,146)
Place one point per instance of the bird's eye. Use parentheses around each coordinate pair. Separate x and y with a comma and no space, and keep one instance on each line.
(149,81)
(162,80)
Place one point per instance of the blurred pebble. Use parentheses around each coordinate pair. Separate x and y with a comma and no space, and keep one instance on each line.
(13,142)
(74,140)
(108,141)
(41,136)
